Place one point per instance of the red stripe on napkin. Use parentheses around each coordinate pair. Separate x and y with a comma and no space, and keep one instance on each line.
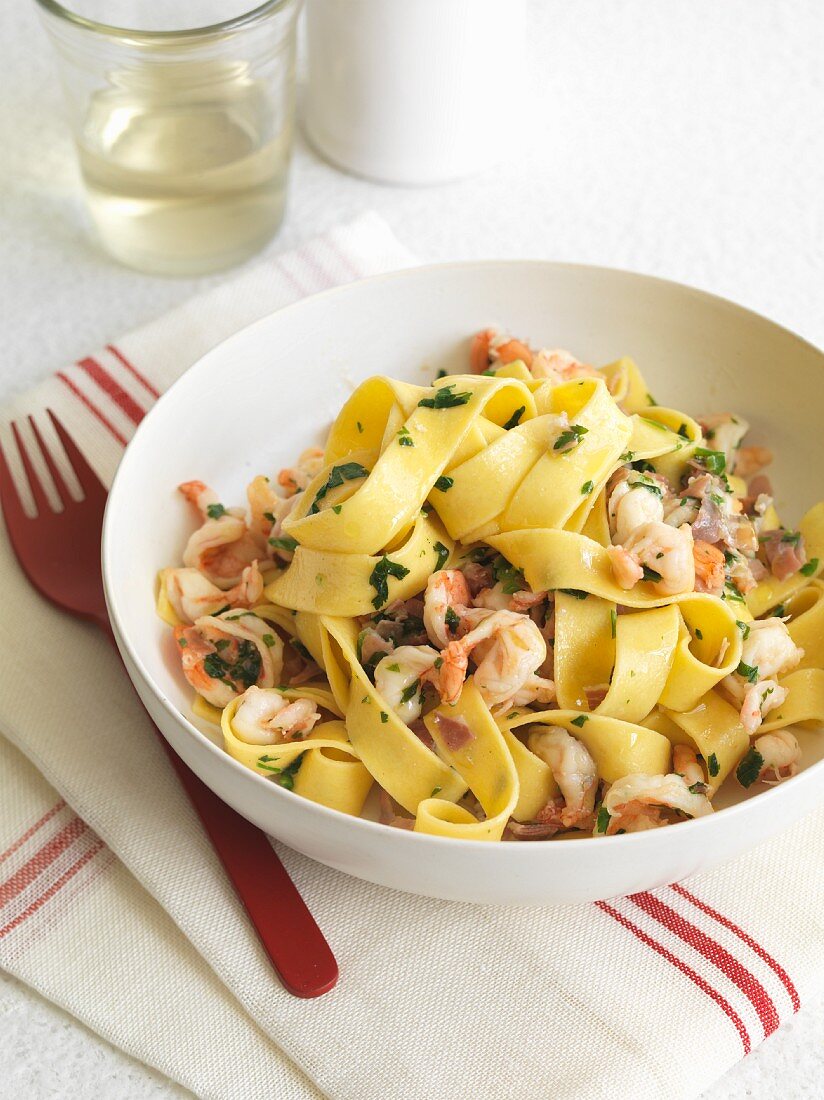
(56,886)
(132,369)
(752,989)
(124,401)
(21,840)
(104,420)
(694,977)
(772,963)
(41,860)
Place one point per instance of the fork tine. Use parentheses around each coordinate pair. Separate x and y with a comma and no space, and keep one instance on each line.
(41,500)
(91,484)
(48,458)
(9,497)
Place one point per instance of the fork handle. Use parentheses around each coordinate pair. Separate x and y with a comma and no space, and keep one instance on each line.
(290,936)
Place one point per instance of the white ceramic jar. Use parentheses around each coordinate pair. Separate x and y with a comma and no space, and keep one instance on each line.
(414,91)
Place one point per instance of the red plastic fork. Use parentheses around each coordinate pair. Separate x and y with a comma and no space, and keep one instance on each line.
(72,581)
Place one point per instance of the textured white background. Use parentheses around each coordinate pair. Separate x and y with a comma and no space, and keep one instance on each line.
(678,137)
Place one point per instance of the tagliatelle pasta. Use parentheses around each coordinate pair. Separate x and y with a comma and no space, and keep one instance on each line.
(520,602)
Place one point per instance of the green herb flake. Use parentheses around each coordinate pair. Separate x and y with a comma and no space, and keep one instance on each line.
(444,483)
(750,768)
(515,419)
(268,640)
(699,635)
(604,817)
(359,426)
(577,593)
(348,471)
(713,461)
(404,437)
(393,668)
(379,578)
(510,579)
(613,622)
(587,488)
(490,372)
(336,508)
(442,555)
(580,720)
(436,791)
(650,574)
(441,374)
(445,398)
(438,662)
(748,672)
(627,456)
(713,767)
(384,717)
(809,568)
(284,542)
(270,516)
(215,511)
(651,400)
(409,692)
(569,439)
(682,431)
(221,644)
(744,628)
(778,612)
(451,619)
(182,643)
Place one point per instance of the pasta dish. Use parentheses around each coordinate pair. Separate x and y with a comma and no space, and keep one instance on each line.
(522,602)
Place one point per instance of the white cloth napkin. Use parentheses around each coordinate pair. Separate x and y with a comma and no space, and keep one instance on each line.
(113,905)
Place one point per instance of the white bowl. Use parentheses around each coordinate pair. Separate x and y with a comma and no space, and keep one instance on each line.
(252,403)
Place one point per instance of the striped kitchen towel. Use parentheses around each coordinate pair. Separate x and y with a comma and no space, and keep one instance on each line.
(113,905)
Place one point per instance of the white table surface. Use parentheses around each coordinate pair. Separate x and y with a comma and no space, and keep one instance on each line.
(680,139)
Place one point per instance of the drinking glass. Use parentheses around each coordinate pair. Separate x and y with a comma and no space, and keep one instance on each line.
(183,113)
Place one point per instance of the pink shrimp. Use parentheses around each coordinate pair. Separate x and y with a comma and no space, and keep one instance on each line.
(223,546)
(294,479)
(193,595)
(222,655)
(444,604)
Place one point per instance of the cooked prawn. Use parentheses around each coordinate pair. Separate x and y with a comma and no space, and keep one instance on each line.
(509,650)
(639,802)
(780,753)
(685,763)
(489,345)
(574,771)
(223,655)
(399,678)
(759,700)
(193,595)
(632,503)
(223,546)
(662,553)
(724,432)
(751,461)
(294,479)
(265,717)
(445,601)
(767,653)
(559,365)
(709,567)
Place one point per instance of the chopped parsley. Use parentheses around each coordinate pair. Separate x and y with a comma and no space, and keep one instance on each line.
(410,691)
(587,488)
(642,466)
(713,461)
(649,485)
(490,372)
(268,640)
(792,537)
(810,567)
(655,424)
(443,554)
(604,817)
(393,668)
(510,579)
(336,508)
(650,574)
(682,431)
(515,419)
(435,790)
(444,483)
(613,621)
(384,716)
(627,456)
(359,426)
(284,542)
(404,437)
(182,643)
(699,635)
(379,578)
(441,374)
(451,619)
(778,612)
(349,471)
(569,439)
(243,669)
(215,511)
(750,768)
(577,593)
(580,720)
(731,592)
(713,767)
(651,400)
(748,672)
(445,398)
(744,628)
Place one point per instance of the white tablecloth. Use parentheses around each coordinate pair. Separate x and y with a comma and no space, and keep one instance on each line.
(679,139)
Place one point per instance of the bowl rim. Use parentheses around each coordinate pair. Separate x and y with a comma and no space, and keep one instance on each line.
(811,774)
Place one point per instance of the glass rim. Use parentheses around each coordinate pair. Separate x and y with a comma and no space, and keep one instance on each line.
(255,15)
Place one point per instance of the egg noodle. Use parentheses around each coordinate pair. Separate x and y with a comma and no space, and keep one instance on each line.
(520,601)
